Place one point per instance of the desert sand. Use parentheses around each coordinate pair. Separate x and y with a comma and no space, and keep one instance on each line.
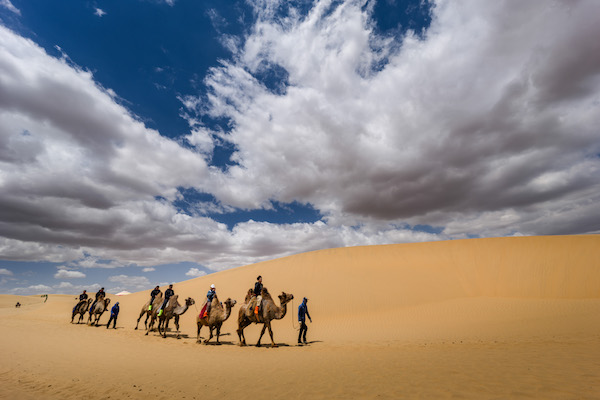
(498,318)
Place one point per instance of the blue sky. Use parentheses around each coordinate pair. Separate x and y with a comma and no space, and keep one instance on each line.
(148,141)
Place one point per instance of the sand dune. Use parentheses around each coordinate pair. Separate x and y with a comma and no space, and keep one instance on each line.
(481,318)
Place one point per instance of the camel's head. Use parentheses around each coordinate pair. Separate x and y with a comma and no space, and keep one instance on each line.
(189,301)
(249,295)
(285,297)
(106,302)
(230,303)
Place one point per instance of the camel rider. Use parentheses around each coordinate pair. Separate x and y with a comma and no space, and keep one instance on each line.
(168,294)
(209,298)
(114,313)
(83,296)
(98,293)
(258,286)
(153,294)
(302,314)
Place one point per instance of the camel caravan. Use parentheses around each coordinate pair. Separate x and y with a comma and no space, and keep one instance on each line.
(258,308)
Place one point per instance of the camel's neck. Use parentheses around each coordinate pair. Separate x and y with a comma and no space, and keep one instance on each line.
(280,313)
(227,312)
(181,309)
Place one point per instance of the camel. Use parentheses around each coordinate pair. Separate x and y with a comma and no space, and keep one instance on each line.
(158,300)
(81,308)
(217,316)
(172,309)
(268,312)
(99,308)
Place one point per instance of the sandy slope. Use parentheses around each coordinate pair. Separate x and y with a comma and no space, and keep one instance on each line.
(485,318)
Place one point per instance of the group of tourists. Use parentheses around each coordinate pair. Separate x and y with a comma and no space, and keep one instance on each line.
(212,292)
(114,311)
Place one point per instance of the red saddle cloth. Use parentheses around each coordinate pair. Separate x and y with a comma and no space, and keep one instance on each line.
(203,310)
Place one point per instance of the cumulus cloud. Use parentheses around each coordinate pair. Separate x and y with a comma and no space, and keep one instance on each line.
(99,12)
(492,114)
(484,125)
(195,272)
(68,274)
(148,269)
(135,282)
(5,272)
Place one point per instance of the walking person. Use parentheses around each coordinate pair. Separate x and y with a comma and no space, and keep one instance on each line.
(302,314)
(114,313)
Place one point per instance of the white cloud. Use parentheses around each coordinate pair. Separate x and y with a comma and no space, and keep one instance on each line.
(148,269)
(486,125)
(195,272)
(68,274)
(7,4)
(99,12)
(492,112)
(134,282)
(4,271)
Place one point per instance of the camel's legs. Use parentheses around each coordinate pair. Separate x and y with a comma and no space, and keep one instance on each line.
(218,333)
(240,331)
(177,325)
(210,328)
(271,334)
(141,315)
(198,335)
(262,332)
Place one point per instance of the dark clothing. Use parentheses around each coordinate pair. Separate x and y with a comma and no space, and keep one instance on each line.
(303,330)
(303,312)
(168,294)
(153,294)
(100,292)
(257,288)
(83,296)
(114,310)
(114,313)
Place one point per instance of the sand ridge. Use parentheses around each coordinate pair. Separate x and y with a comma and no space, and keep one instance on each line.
(479,318)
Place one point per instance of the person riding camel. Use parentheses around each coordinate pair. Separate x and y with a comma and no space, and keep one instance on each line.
(83,296)
(153,294)
(258,286)
(168,294)
(98,294)
(209,298)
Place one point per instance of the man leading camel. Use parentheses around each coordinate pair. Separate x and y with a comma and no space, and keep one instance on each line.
(114,313)
(168,294)
(302,314)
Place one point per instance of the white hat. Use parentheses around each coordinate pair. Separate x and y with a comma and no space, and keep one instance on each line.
(212,286)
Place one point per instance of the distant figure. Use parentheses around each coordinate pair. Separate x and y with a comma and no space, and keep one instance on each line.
(114,313)
(168,294)
(17,305)
(83,296)
(302,314)
(209,298)
(98,294)
(258,286)
(153,294)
